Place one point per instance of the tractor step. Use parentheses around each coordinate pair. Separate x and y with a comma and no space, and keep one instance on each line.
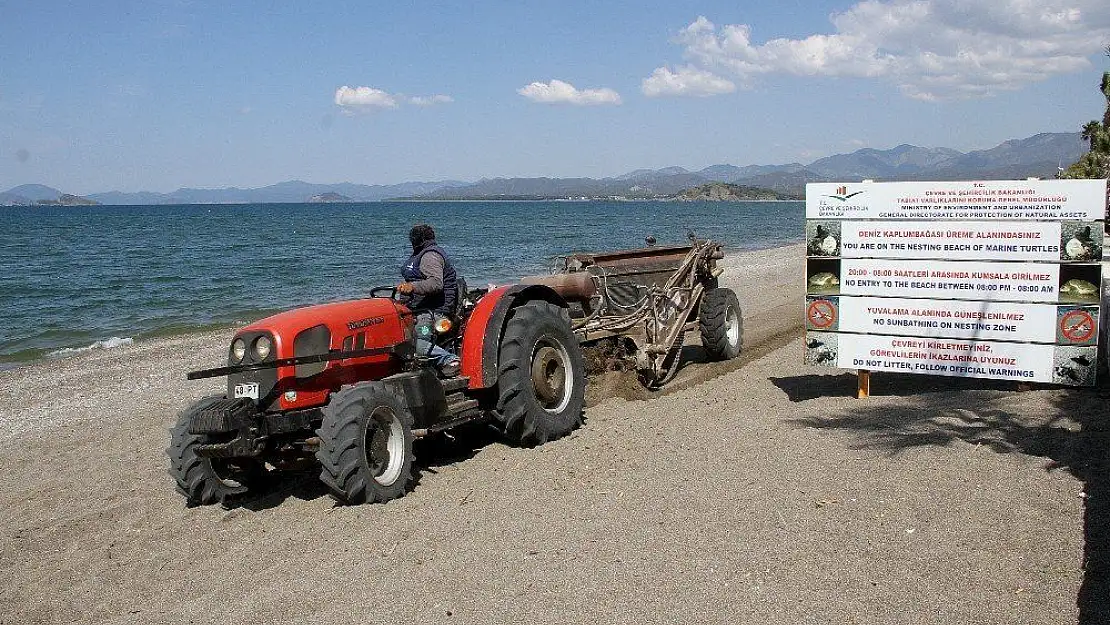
(461,406)
(458,413)
(450,385)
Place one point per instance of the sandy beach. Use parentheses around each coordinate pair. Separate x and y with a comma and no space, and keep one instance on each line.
(754,491)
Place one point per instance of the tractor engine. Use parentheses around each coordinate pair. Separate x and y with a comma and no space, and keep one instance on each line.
(374,332)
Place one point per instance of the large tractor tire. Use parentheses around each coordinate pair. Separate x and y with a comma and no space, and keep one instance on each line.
(541,375)
(366,445)
(205,481)
(722,324)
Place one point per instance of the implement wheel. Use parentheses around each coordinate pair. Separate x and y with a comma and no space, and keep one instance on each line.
(722,325)
(366,445)
(541,375)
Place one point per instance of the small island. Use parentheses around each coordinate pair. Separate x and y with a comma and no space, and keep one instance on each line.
(67,199)
(328,198)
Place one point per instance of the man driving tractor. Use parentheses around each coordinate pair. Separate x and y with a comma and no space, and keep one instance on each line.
(432,284)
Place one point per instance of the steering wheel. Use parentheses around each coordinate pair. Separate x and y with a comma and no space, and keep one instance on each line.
(389,291)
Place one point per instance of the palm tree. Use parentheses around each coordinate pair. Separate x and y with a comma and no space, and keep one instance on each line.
(1105,87)
(1090,132)
(1096,162)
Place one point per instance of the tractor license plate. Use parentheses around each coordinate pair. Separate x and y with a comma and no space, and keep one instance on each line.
(246,390)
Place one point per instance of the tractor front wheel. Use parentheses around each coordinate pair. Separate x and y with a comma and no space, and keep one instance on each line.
(541,375)
(722,325)
(204,481)
(366,445)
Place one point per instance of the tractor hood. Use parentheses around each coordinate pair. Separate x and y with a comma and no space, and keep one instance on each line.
(341,318)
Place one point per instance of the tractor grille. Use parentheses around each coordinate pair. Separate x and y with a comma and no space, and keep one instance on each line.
(311,342)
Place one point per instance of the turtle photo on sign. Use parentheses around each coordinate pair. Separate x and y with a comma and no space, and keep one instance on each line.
(823,276)
(822,238)
(1080,241)
(1079,284)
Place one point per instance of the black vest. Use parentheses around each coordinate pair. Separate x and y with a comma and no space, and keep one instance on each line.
(442,302)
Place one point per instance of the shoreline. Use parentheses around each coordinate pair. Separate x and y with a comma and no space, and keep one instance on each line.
(49,355)
(165,360)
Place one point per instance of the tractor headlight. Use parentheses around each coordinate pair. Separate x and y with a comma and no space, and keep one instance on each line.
(238,351)
(262,347)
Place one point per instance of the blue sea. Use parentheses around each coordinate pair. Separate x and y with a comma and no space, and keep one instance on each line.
(79,278)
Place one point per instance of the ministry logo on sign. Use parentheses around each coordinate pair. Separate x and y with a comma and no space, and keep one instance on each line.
(843,195)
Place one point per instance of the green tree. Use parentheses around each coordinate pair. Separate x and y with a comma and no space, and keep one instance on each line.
(1096,162)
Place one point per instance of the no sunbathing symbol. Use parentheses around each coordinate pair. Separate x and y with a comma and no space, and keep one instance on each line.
(821,314)
(1077,326)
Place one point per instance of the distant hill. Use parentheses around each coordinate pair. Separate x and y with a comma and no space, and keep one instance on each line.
(659,185)
(725,192)
(41,195)
(1039,156)
(901,161)
(291,191)
(35,192)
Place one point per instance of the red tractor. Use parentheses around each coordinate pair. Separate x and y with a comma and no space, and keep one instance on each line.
(340,384)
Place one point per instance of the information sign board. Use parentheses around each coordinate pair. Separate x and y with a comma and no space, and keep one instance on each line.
(992,200)
(994,279)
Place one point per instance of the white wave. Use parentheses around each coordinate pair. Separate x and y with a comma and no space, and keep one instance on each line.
(111,343)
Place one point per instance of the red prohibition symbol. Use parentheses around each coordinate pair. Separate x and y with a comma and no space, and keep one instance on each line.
(821,313)
(1077,326)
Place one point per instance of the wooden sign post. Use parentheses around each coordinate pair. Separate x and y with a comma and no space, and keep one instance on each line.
(863,376)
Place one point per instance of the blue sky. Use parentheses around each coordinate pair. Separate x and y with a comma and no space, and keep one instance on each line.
(160,94)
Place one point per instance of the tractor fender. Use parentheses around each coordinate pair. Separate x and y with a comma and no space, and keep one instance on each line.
(481,341)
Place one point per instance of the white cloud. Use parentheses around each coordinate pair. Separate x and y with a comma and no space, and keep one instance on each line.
(687,80)
(364,98)
(930,49)
(559,92)
(429,100)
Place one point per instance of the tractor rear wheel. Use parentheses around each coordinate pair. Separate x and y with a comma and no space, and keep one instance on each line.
(541,375)
(366,445)
(205,481)
(722,325)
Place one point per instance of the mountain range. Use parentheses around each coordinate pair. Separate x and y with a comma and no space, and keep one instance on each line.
(1039,156)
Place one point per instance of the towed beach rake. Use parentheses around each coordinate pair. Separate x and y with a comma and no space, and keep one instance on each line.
(645,300)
